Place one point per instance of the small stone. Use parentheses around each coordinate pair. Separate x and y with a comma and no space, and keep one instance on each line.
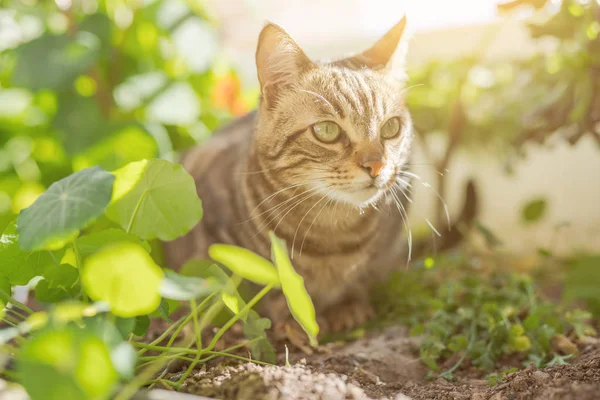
(540,376)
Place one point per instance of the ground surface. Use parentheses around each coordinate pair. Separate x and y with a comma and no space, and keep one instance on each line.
(386,365)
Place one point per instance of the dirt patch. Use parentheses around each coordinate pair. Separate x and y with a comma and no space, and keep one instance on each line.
(387,366)
(251,381)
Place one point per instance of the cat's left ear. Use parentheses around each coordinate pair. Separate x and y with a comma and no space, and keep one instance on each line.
(388,54)
(279,62)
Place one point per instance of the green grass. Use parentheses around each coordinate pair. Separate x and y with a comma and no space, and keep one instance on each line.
(477,309)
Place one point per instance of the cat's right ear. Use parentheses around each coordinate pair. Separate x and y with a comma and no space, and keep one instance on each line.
(279,62)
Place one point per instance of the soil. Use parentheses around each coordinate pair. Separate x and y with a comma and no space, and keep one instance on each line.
(387,366)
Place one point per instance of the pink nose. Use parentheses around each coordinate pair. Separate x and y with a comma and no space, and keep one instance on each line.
(374,166)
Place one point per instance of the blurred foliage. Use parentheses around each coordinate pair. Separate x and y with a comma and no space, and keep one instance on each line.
(104,83)
(504,103)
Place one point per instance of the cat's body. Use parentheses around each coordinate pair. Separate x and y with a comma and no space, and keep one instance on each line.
(335,202)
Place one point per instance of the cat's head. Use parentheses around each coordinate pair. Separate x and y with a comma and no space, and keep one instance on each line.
(340,127)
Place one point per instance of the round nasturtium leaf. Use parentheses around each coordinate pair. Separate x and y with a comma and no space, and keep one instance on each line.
(66,363)
(67,206)
(245,263)
(155,199)
(124,276)
(292,284)
(19,266)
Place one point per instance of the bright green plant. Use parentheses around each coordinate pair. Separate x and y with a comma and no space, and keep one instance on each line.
(102,285)
(461,309)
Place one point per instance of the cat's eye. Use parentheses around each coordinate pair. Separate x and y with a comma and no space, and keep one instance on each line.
(391,128)
(326,131)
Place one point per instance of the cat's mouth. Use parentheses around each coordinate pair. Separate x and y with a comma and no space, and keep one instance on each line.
(368,193)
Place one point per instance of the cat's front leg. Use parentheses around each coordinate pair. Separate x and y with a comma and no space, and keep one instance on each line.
(351,312)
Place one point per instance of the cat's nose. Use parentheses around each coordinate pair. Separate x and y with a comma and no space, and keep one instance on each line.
(373,164)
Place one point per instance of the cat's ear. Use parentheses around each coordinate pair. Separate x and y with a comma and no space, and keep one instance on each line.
(279,61)
(387,54)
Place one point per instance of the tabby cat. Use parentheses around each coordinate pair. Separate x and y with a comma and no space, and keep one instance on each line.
(322,163)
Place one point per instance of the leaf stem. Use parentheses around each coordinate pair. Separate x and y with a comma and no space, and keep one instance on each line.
(236,317)
(197,330)
(9,299)
(188,318)
(163,336)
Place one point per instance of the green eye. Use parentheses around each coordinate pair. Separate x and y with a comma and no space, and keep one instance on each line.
(326,131)
(391,128)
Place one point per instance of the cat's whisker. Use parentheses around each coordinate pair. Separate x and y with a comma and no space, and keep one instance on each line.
(428,186)
(310,195)
(294,185)
(281,207)
(404,217)
(402,191)
(433,227)
(276,205)
(406,89)
(300,223)
(312,223)
(278,209)
(442,173)
(410,174)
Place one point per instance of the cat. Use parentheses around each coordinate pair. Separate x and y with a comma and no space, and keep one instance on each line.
(322,162)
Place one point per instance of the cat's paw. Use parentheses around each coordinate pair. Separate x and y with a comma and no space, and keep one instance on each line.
(346,315)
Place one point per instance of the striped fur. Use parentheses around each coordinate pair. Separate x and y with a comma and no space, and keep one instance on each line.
(267,171)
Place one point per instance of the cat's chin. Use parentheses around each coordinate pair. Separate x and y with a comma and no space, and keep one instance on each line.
(360,198)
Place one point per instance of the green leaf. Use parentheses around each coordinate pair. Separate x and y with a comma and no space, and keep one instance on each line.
(64,58)
(208,269)
(46,292)
(155,199)
(534,210)
(292,284)
(125,277)
(89,244)
(125,326)
(142,323)
(179,287)
(458,343)
(62,276)
(67,206)
(245,263)
(255,328)
(66,363)
(162,311)
(19,266)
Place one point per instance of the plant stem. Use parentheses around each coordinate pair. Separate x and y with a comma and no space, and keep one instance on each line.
(197,330)
(161,337)
(188,319)
(17,304)
(236,317)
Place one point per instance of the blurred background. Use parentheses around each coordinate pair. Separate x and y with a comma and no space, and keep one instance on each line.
(504,94)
